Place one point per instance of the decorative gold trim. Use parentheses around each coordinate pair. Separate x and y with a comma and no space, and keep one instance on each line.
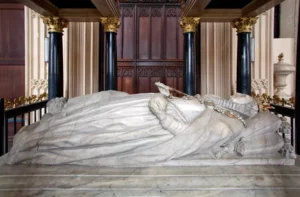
(189,24)
(111,24)
(55,24)
(264,101)
(244,24)
(22,100)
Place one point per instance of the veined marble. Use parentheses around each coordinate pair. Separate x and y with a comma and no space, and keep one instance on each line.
(113,128)
(70,181)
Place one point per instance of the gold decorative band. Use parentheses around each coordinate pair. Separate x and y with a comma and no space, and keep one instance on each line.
(189,24)
(22,100)
(55,24)
(244,24)
(111,24)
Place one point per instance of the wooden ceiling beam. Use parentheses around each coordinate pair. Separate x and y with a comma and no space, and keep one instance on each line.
(80,14)
(107,8)
(43,7)
(257,7)
(220,15)
(194,8)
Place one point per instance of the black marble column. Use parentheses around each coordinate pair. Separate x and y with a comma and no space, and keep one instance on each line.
(244,27)
(243,64)
(189,25)
(55,70)
(111,25)
(189,68)
(111,82)
(297,95)
(55,64)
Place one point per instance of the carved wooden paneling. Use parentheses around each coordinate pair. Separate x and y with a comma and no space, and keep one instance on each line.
(171,33)
(156,33)
(128,36)
(149,42)
(147,76)
(12,51)
(12,35)
(12,80)
(126,79)
(143,32)
(174,77)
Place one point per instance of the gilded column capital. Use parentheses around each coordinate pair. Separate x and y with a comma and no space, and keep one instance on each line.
(189,24)
(55,24)
(244,24)
(111,24)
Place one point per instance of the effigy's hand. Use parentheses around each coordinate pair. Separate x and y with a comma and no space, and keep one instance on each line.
(158,106)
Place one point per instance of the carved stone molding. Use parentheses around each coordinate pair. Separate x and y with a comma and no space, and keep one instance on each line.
(39,84)
(244,24)
(259,84)
(111,24)
(189,24)
(55,24)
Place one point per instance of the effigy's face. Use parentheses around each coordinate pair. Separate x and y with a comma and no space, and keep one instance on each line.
(189,109)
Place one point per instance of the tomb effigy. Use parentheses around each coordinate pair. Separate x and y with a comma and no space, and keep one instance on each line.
(112,128)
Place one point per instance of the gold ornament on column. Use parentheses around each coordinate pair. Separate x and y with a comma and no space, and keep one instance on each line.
(111,24)
(55,24)
(244,24)
(189,24)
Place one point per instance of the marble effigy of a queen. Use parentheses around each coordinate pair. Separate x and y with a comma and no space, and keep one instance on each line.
(112,128)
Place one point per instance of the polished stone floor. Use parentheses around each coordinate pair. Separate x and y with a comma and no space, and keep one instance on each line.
(82,181)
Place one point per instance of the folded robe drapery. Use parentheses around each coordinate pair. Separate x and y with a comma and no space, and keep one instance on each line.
(113,128)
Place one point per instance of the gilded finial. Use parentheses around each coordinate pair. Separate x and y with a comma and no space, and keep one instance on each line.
(280,57)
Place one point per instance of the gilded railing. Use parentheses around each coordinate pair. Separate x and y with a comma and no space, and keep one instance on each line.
(264,101)
(23,100)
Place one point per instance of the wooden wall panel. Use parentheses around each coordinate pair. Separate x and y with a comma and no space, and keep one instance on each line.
(12,81)
(126,79)
(128,33)
(156,33)
(180,43)
(12,51)
(151,42)
(120,41)
(12,38)
(171,33)
(144,33)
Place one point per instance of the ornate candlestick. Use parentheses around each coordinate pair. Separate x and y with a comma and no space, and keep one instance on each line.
(281,71)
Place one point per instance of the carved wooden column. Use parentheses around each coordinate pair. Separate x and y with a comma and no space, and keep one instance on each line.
(189,25)
(55,71)
(111,25)
(244,28)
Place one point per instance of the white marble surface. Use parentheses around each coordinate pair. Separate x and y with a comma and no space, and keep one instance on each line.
(113,128)
(29,180)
